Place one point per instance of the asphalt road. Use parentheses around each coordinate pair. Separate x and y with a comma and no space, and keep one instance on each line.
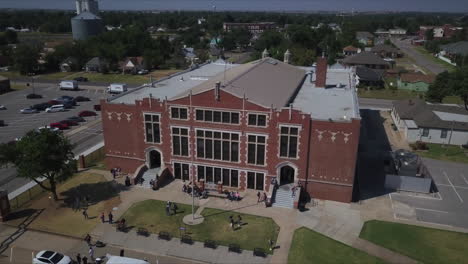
(375,104)
(18,124)
(421,60)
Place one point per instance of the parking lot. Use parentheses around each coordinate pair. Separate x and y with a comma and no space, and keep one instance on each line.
(447,207)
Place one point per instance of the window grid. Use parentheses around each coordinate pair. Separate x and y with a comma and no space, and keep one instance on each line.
(256,146)
(181,171)
(258,120)
(255,180)
(443,133)
(228,177)
(152,128)
(180,141)
(425,132)
(217,145)
(212,116)
(179,113)
(289,141)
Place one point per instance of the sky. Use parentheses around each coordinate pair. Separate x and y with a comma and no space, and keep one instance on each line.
(254,5)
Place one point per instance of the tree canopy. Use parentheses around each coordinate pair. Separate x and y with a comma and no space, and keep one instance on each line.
(450,83)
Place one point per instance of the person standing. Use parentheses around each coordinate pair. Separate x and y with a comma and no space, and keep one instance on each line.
(258,197)
(78,258)
(85,213)
(293,191)
(110,217)
(91,253)
(85,260)
(103,218)
(174,208)
(271,243)
(239,221)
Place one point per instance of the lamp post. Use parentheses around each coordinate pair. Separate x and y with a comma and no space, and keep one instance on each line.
(31,74)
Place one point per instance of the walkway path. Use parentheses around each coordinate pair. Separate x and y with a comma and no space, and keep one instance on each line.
(339,221)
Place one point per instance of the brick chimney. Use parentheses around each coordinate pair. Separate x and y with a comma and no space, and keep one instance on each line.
(321,72)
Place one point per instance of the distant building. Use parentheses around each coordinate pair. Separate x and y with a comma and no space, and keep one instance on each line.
(365,38)
(386,51)
(201,21)
(254,28)
(370,77)
(367,59)
(132,65)
(450,51)
(440,32)
(87,6)
(96,64)
(431,123)
(415,82)
(351,50)
(87,23)
(69,64)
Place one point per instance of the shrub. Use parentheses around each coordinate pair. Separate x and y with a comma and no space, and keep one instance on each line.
(419,145)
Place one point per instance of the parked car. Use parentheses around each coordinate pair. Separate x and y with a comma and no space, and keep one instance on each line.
(76,118)
(87,113)
(81,99)
(54,102)
(2,107)
(81,79)
(59,125)
(65,98)
(28,111)
(55,108)
(53,129)
(68,85)
(33,96)
(41,106)
(97,107)
(69,122)
(51,257)
(117,88)
(141,72)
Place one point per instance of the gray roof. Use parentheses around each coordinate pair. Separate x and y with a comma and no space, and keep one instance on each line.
(96,61)
(385,48)
(86,16)
(367,74)
(364,58)
(460,47)
(364,35)
(428,115)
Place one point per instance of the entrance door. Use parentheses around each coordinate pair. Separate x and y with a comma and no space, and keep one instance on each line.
(286,175)
(154,159)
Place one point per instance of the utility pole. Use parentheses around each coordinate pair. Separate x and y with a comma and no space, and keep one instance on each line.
(451,132)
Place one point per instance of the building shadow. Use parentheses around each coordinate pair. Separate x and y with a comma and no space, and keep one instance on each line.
(374,157)
(87,194)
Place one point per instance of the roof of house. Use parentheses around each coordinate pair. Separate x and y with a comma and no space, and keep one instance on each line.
(429,115)
(96,61)
(350,48)
(367,74)
(70,60)
(135,61)
(417,77)
(86,15)
(364,35)
(364,58)
(460,47)
(385,48)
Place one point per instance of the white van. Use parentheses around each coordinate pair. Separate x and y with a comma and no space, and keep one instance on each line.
(124,260)
(116,88)
(68,85)
(55,108)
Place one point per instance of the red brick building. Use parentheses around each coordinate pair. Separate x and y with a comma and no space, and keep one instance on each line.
(242,126)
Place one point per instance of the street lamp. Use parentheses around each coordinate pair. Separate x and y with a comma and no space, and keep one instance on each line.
(31,74)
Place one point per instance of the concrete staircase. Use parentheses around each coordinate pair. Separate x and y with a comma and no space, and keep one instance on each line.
(148,176)
(283,197)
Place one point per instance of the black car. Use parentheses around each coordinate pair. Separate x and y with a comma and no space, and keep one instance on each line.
(81,79)
(40,107)
(76,118)
(33,96)
(66,100)
(82,99)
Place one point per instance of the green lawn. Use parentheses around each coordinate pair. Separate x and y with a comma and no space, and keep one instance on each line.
(428,55)
(56,76)
(427,245)
(311,247)
(452,100)
(389,94)
(447,152)
(151,215)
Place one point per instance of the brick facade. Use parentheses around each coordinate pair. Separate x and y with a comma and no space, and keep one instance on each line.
(327,150)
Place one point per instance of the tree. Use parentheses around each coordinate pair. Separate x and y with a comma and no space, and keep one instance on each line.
(11,36)
(26,59)
(429,34)
(41,154)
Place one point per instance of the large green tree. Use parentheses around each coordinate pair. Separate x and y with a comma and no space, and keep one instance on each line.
(25,58)
(41,154)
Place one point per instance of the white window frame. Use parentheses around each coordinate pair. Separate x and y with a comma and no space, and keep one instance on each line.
(239,141)
(218,110)
(255,179)
(179,107)
(299,128)
(172,141)
(256,143)
(222,168)
(160,126)
(257,114)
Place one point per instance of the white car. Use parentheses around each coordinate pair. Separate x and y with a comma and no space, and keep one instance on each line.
(55,108)
(51,257)
(29,111)
(2,107)
(53,129)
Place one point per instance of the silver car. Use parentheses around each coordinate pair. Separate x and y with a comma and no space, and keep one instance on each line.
(28,111)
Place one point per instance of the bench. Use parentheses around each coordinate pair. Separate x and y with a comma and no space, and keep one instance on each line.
(186,239)
(142,232)
(216,194)
(259,252)
(210,244)
(164,235)
(234,248)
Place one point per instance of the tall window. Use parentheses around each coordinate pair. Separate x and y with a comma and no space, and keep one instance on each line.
(228,177)
(218,145)
(181,171)
(443,133)
(257,120)
(255,180)
(288,141)
(217,116)
(180,141)
(152,131)
(179,113)
(256,149)
(425,132)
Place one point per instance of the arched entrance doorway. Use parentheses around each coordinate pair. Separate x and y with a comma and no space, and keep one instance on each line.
(154,158)
(286,175)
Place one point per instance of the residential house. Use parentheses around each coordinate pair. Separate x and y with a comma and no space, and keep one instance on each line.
(365,38)
(449,52)
(370,77)
(96,64)
(415,82)
(397,32)
(431,123)
(189,54)
(367,59)
(132,65)
(69,64)
(239,126)
(440,32)
(386,51)
(255,29)
(351,50)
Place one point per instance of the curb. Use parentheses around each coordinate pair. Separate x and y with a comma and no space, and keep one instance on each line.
(84,127)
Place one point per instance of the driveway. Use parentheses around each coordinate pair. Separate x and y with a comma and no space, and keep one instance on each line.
(419,59)
(448,207)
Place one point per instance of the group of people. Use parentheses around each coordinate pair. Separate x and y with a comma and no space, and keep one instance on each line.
(115,172)
(171,207)
(235,223)
(110,217)
(234,196)
(197,192)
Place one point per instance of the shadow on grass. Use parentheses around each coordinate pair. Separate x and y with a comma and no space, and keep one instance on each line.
(91,193)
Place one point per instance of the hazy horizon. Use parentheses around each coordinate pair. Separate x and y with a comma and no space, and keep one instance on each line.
(453,6)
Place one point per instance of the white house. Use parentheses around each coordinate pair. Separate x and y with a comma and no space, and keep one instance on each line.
(431,123)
